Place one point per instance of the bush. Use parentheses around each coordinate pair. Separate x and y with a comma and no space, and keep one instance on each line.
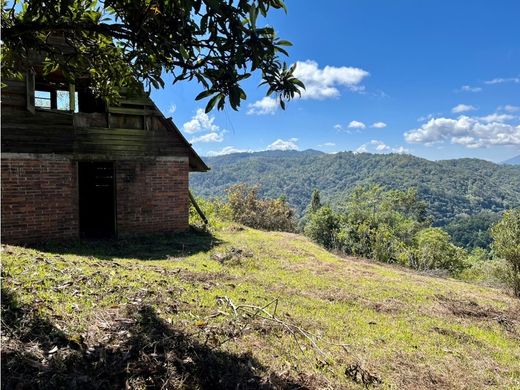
(269,214)
(435,251)
(506,244)
(215,210)
(323,226)
(482,268)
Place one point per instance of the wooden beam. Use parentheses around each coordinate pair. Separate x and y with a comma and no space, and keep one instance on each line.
(199,211)
(72,97)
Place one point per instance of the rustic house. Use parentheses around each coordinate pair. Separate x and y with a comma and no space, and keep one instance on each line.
(73,166)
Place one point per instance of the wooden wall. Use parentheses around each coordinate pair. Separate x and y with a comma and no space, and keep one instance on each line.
(134,129)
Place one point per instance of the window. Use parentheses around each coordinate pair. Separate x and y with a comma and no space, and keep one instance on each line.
(63,101)
(42,99)
(58,100)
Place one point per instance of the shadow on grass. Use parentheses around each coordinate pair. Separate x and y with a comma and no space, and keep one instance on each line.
(152,247)
(142,351)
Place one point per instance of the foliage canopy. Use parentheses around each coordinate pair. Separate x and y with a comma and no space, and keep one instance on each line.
(119,43)
(506,244)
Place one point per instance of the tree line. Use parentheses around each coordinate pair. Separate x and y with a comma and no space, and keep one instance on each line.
(391,226)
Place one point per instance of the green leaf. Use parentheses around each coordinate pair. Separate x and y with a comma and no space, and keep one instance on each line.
(212,102)
(203,94)
(283,43)
(184,52)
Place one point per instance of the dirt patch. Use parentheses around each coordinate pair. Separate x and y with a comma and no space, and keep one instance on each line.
(388,306)
(209,279)
(411,372)
(509,319)
(467,309)
(233,228)
(463,337)
(232,256)
(359,374)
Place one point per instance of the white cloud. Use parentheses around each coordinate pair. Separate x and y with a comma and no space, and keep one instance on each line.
(200,122)
(497,118)
(469,88)
(356,125)
(462,108)
(280,144)
(401,150)
(209,137)
(377,146)
(380,145)
(267,105)
(338,127)
(424,118)
(172,109)
(471,132)
(509,108)
(328,144)
(378,125)
(227,150)
(500,80)
(323,83)
(362,149)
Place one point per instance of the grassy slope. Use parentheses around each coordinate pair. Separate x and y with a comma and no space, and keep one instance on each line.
(99,305)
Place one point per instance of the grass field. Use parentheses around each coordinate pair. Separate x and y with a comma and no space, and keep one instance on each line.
(244,309)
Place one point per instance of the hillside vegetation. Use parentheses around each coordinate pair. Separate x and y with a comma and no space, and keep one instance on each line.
(451,187)
(243,308)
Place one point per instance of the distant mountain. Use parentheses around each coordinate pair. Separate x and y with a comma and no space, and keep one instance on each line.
(451,187)
(513,161)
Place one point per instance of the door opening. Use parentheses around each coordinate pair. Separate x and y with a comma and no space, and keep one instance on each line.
(96,199)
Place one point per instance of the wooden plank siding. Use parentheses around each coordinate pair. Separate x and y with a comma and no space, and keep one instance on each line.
(91,134)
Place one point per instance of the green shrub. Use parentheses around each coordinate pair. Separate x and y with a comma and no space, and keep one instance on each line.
(323,226)
(506,244)
(491,272)
(215,210)
(436,251)
(247,208)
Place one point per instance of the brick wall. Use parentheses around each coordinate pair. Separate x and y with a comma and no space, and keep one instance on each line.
(39,200)
(152,197)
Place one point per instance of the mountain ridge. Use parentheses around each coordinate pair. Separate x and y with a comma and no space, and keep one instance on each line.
(512,161)
(451,187)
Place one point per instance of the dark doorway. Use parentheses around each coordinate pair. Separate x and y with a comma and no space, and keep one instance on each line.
(96,199)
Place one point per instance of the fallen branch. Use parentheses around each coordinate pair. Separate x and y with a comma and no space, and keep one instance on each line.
(252,312)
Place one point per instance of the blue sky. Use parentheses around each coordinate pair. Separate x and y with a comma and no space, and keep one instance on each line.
(437,79)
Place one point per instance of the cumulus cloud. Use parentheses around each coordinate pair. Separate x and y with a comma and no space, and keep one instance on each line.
(338,126)
(209,137)
(462,108)
(266,105)
(172,109)
(328,144)
(401,150)
(362,149)
(324,83)
(510,108)
(469,88)
(227,150)
(200,122)
(500,80)
(280,144)
(377,146)
(497,118)
(356,125)
(471,132)
(203,123)
(378,125)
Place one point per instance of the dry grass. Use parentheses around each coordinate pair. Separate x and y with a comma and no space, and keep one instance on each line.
(152,313)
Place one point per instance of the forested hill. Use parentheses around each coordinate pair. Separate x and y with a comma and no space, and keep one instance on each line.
(451,187)
(513,161)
